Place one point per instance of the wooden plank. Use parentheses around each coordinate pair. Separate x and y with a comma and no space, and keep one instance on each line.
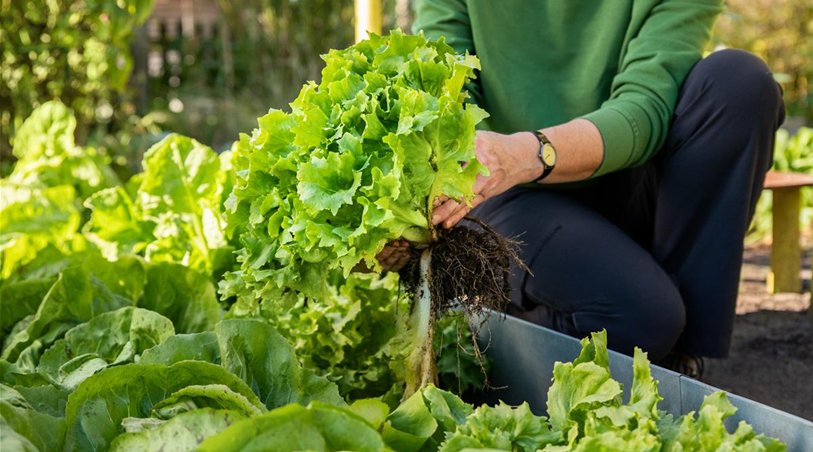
(786,252)
(779,179)
(369,17)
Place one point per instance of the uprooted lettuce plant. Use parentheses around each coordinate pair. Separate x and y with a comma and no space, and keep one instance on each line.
(357,163)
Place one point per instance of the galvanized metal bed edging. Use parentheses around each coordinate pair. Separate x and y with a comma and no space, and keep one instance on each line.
(524,355)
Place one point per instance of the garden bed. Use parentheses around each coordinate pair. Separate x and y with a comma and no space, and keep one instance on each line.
(522,373)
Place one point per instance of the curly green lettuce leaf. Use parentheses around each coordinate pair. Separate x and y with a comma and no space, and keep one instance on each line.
(502,427)
(353,166)
(705,430)
(332,336)
(582,386)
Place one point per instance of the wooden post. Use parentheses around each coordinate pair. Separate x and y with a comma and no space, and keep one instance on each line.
(786,252)
(369,17)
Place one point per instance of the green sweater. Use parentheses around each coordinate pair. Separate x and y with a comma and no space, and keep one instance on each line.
(616,63)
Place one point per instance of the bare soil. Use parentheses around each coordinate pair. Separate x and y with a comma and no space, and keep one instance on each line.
(771,359)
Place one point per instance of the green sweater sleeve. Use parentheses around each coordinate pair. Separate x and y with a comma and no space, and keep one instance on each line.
(663,42)
(450,19)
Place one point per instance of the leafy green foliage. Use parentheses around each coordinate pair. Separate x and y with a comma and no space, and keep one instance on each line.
(779,33)
(173,212)
(90,287)
(97,407)
(185,296)
(254,351)
(706,431)
(356,164)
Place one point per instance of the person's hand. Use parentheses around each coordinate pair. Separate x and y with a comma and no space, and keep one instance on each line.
(510,159)
(392,258)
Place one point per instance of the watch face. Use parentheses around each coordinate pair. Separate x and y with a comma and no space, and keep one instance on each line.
(549,155)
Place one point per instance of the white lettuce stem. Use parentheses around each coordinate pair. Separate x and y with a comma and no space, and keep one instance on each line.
(421,361)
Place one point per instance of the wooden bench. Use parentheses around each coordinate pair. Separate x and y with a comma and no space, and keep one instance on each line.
(786,251)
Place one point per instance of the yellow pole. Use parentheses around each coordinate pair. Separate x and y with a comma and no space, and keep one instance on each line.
(369,16)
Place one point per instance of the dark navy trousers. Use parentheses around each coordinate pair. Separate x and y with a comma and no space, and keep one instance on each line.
(652,254)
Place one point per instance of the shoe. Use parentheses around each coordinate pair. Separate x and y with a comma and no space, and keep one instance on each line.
(690,365)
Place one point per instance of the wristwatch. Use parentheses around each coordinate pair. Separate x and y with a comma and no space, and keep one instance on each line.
(547,154)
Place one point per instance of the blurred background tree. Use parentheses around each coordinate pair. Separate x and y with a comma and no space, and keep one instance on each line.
(781,33)
(216,77)
(73,50)
(209,68)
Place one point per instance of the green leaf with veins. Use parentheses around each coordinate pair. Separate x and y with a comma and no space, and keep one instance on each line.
(76,297)
(110,339)
(97,407)
(184,432)
(183,295)
(260,356)
(184,347)
(318,427)
(23,428)
(33,219)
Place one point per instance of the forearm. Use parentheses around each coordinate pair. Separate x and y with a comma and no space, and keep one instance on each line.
(514,159)
(579,148)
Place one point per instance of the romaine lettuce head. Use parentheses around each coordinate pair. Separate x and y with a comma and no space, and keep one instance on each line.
(174,211)
(354,165)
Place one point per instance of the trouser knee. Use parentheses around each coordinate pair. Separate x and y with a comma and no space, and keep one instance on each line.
(743,85)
